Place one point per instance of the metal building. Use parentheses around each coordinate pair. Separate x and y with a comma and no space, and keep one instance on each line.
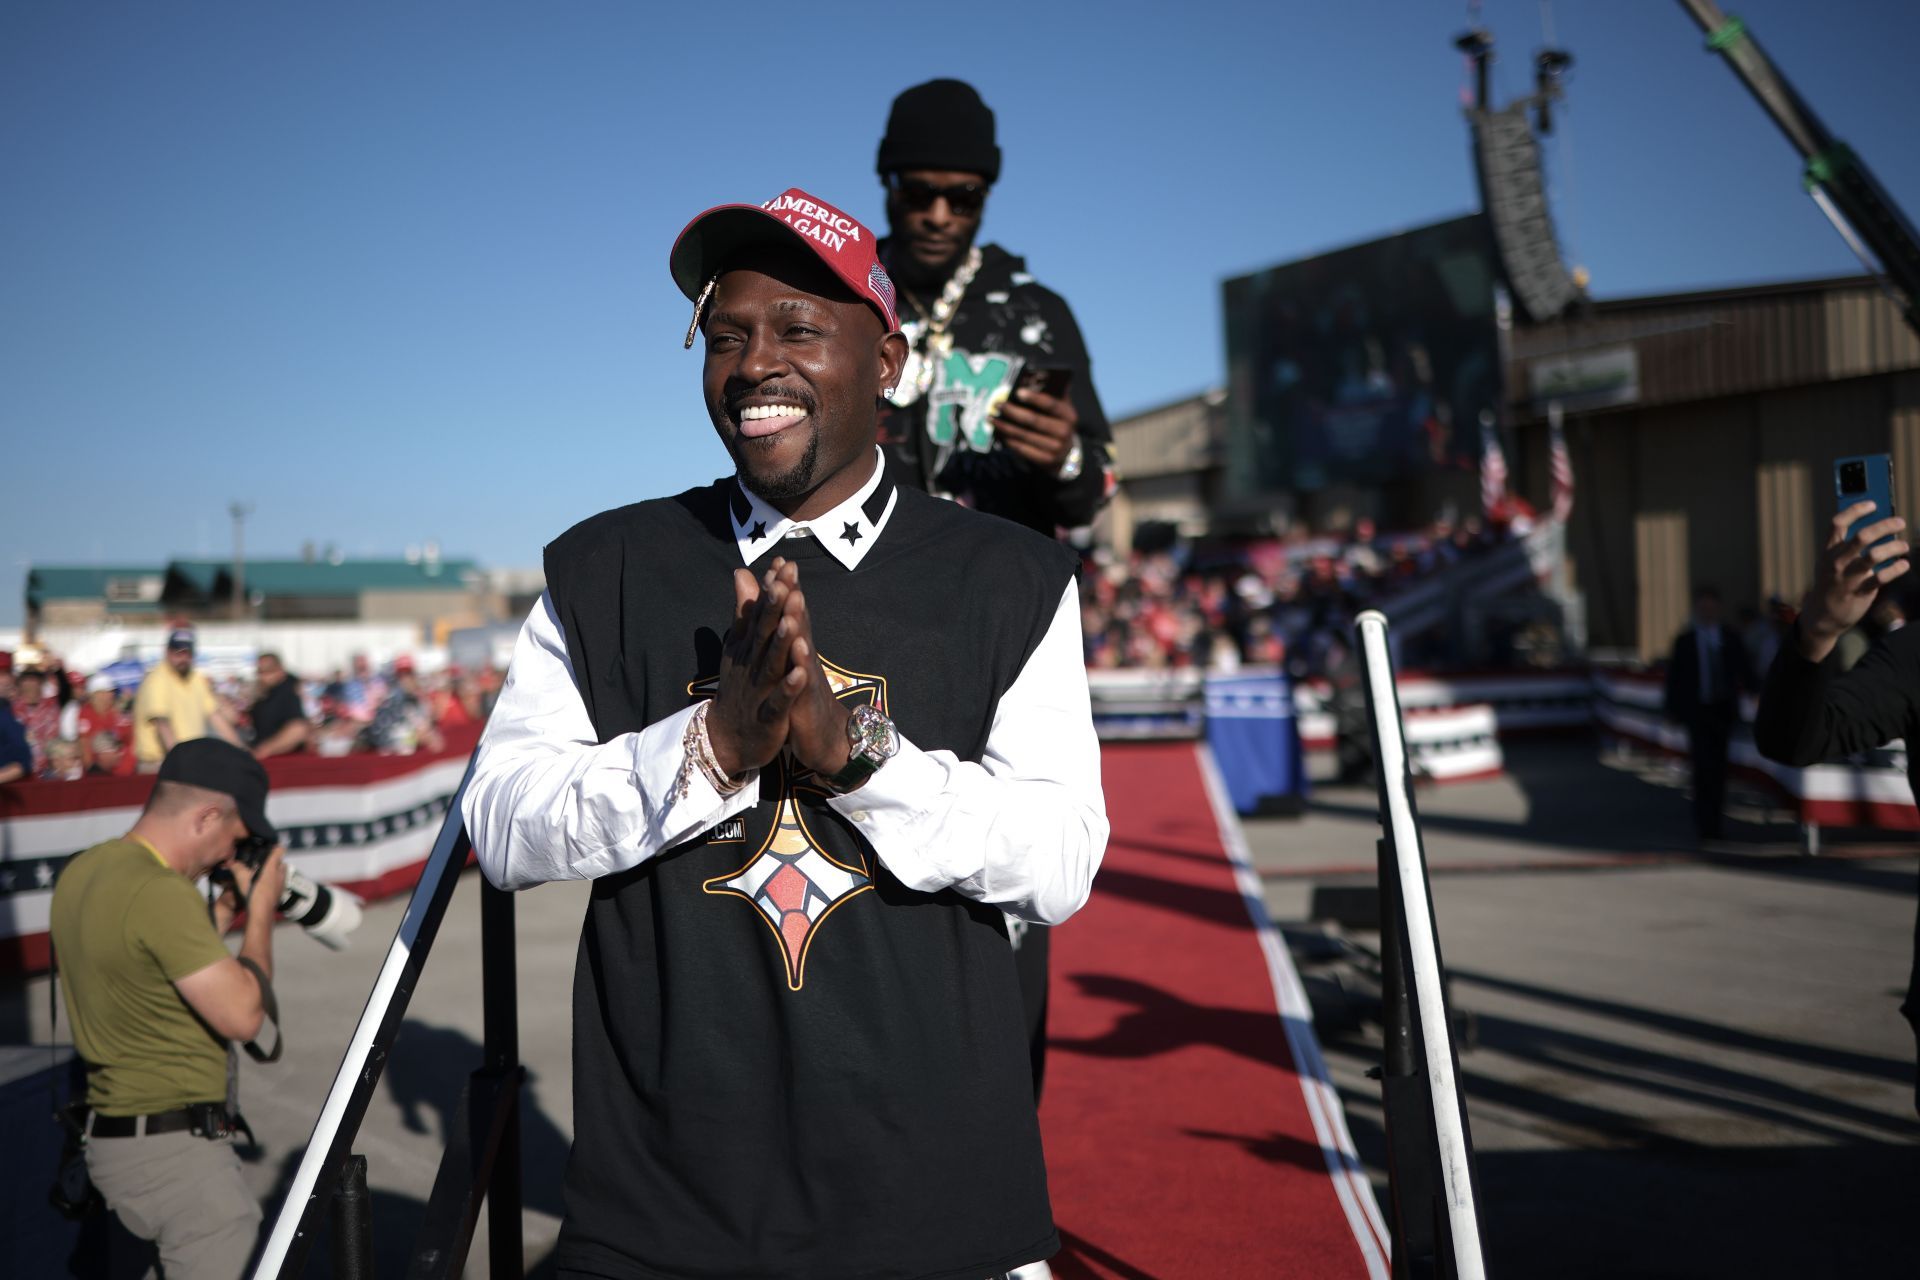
(1703,429)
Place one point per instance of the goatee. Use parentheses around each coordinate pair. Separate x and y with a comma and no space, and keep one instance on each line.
(795,482)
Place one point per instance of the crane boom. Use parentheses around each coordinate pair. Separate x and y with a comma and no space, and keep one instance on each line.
(1840,182)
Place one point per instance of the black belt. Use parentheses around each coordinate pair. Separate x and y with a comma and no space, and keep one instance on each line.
(130,1126)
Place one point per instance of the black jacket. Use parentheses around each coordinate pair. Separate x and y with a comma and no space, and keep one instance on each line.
(1683,674)
(1006,312)
(1810,711)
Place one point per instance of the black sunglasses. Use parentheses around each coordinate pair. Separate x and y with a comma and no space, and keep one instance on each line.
(966,199)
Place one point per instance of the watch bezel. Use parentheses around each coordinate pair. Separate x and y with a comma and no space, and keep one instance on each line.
(872,740)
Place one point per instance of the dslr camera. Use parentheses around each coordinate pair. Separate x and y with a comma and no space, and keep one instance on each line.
(328,913)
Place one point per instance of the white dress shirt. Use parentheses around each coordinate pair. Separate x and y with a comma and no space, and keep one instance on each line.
(1023,830)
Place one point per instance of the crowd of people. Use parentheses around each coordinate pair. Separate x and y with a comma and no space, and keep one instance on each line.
(1290,599)
(58,723)
(1211,608)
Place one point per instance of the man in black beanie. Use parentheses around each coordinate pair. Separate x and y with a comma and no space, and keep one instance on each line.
(996,407)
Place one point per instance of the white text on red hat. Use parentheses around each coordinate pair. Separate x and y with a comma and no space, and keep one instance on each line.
(816,222)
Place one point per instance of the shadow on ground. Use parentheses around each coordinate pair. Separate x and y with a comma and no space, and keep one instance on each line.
(425,1078)
(1619,1194)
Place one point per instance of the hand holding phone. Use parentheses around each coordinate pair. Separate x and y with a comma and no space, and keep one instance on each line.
(1864,551)
(1866,478)
(1038,422)
(1050,382)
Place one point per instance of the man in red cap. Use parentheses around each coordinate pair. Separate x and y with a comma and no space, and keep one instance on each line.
(809,733)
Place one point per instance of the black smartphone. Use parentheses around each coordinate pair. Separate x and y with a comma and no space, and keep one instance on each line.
(1048,381)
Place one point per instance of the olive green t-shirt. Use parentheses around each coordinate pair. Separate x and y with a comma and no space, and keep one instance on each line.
(126,927)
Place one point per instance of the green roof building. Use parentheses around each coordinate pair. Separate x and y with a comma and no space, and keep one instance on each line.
(438,594)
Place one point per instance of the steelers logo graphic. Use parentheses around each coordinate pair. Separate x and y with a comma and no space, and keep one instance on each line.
(792,882)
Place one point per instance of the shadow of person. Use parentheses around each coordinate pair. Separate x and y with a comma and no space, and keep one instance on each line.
(425,1077)
(1161,1023)
(1082,1259)
(430,1067)
(1275,1148)
(1221,906)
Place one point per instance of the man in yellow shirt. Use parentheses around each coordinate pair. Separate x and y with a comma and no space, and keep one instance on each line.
(154,998)
(175,704)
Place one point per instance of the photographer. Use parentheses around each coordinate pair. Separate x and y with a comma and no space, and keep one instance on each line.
(1809,711)
(154,999)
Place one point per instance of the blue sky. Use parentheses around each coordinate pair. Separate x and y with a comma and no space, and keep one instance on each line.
(395,273)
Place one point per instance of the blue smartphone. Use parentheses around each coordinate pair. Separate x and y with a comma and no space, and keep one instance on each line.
(1868,478)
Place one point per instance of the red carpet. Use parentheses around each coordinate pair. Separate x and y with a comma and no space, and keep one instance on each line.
(1179,1111)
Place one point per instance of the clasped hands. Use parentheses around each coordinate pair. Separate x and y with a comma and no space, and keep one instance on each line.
(773,692)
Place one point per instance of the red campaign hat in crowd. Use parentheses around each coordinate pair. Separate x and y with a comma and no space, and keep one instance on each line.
(403,665)
(793,217)
(6,660)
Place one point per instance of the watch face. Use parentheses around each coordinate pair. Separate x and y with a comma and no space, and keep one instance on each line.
(872,735)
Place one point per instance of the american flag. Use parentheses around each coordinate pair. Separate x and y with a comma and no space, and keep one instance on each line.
(1559,465)
(1493,466)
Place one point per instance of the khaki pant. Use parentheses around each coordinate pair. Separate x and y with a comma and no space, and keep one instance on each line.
(184,1193)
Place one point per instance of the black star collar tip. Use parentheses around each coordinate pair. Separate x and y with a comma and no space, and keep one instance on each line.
(758,531)
(851,533)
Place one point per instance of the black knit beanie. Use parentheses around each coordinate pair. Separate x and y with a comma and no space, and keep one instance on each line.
(941,124)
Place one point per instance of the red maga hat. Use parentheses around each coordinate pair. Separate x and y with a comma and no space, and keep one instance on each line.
(849,249)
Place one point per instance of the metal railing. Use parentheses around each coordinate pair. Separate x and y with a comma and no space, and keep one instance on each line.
(1435,1204)
(482,1157)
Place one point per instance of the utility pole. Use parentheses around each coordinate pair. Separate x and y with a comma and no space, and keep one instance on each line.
(240,511)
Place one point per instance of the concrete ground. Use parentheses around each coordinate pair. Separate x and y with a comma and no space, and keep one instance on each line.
(1682,1066)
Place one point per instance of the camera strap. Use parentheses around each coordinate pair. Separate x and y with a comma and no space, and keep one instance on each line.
(264,1047)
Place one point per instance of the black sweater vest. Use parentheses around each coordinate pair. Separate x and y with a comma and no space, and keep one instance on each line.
(786,1063)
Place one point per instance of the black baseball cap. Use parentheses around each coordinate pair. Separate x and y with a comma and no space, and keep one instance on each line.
(180,638)
(220,766)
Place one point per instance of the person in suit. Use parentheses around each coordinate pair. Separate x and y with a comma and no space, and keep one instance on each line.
(1705,677)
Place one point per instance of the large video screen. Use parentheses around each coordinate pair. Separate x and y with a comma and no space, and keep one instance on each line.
(1362,366)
